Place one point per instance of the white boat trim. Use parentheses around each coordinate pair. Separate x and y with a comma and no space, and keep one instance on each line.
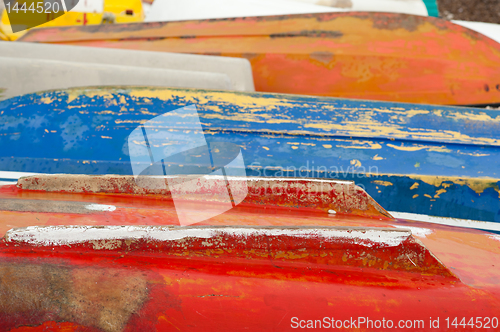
(9,178)
(67,235)
(412,7)
(15,175)
(174,10)
(474,224)
(490,30)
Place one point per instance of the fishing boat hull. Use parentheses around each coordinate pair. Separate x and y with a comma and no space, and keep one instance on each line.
(376,56)
(411,158)
(115,260)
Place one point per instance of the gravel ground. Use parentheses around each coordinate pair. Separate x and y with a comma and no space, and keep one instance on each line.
(470,10)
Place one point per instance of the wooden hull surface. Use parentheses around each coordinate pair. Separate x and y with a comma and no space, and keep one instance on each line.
(431,160)
(256,267)
(376,56)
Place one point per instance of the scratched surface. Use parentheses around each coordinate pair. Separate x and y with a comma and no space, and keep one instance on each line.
(230,281)
(431,160)
(375,56)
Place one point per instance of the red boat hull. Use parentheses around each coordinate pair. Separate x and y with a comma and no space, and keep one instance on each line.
(231,281)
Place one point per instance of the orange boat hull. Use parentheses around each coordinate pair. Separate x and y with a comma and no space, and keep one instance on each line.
(378,56)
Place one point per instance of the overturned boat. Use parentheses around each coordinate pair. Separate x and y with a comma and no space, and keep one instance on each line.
(412,158)
(376,56)
(29,67)
(101,253)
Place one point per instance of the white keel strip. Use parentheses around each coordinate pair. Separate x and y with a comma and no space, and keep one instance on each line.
(484,225)
(14,176)
(64,235)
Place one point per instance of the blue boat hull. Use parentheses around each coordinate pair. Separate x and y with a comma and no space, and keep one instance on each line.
(432,160)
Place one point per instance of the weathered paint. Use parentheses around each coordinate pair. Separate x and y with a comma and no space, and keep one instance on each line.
(233,271)
(411,158)
(57,236)
(343,197)
(376,56)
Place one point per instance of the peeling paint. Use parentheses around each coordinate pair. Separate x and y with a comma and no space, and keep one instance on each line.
(477,184)
(383,183)
(101,207)
(290,60)
(60,235)
(321,153)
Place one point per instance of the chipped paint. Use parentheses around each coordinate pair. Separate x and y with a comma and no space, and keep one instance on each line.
(363,145)
(59,235)
(125,276)
(300,61)
(471,185)
(419,147)
(383,183)
(316,194)
(101,207)
(478,185)
(356,163)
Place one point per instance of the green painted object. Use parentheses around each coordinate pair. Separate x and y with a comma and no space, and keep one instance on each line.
(432,7)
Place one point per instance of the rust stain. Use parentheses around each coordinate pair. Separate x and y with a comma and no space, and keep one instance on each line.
(102,298)
(309,33)
(324,58)
(408,22)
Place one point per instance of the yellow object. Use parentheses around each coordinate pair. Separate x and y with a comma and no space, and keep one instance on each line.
(113,11)
(3,36)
